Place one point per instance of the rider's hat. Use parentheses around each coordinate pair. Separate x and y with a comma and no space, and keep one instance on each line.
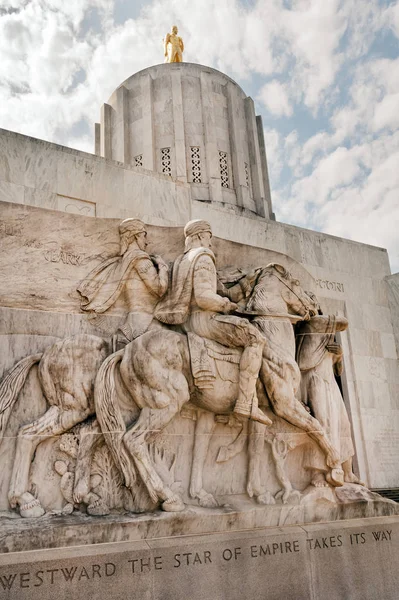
(196,227)
(134,226)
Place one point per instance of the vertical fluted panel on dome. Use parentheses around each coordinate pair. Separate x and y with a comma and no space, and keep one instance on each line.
(147,147)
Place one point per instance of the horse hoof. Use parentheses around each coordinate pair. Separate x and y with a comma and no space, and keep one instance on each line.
(208,501)
(266,499)
(173,504)
(31,508)
(288,496)
(292,497)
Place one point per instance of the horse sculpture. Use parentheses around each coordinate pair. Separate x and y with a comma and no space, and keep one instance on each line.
(155,371)
(66,371)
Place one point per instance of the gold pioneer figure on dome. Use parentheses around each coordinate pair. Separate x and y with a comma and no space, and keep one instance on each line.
(173,46)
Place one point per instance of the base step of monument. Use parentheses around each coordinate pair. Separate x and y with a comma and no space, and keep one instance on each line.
(235,513)
(343,560)
(392,493)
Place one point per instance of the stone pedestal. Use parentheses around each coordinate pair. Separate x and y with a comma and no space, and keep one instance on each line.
(356,559)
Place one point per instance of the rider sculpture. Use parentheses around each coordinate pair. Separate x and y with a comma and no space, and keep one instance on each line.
(193,300)
(143,279)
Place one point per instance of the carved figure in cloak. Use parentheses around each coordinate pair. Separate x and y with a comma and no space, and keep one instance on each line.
(320,359)
(140,278)
(173,46)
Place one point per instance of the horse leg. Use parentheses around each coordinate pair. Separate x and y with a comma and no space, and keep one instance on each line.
(280,450)
(148,425)
(256,445)
(287,407)
(236,446)
(203,432)
(89,438)
(52,423)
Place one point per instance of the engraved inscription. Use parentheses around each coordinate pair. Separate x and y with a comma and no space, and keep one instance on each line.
(67,574)
(35,579)
(64,256)
(10,229)
(335,286)
(33,243)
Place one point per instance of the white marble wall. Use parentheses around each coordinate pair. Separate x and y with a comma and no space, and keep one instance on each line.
(42,174)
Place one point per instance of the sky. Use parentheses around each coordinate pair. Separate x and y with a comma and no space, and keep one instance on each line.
(324,75)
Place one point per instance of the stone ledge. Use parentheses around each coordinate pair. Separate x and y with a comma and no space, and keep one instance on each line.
(356,559)
(55,531)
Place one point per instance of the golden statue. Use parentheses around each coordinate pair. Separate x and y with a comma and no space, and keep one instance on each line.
(173,46)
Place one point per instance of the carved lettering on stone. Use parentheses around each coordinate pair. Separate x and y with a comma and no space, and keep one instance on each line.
(64,256)
(11,229)
(335,286)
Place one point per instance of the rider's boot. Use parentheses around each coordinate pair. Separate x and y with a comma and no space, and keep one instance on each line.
(247,401)
(257,414)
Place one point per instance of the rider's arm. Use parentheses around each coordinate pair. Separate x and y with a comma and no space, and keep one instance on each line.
(242,289)
(156,282)
(234,293)
(204,285)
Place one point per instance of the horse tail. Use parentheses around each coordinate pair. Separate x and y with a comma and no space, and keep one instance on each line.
(110,417)
(11,385)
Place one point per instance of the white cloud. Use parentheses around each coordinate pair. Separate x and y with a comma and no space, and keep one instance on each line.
(274,97)
(386,113)
(315,29)
(41,55)
(336,170)
(352,193)
(373,97)
(393,18)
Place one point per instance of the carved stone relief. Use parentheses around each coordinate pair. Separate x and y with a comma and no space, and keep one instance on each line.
(205,369)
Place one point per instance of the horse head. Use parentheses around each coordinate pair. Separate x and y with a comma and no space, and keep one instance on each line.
(274,287)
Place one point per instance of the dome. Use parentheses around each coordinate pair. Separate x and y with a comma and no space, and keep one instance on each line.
(194,124)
